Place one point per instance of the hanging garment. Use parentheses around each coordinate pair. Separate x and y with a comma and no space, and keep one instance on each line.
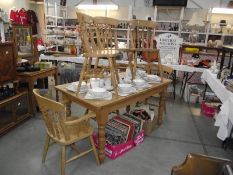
(23,16)
(33,20)
(14,16)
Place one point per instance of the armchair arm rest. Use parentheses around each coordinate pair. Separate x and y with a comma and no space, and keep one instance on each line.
(80,119)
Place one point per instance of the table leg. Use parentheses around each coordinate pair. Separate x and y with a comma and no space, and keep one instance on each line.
(204,91)
(186,74)
(102,118)
(161,106)
(187,78)
(67,104)
(182,82)
(229,63)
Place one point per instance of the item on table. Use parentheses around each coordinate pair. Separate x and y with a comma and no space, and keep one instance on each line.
(97,92)
(26,67)
(141,73)
(139,82)
(204,64)
(95,82)
(123,87)
(151,77)
(107,82)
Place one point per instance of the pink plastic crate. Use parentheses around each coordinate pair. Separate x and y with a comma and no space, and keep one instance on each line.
(208,110)
(115,151)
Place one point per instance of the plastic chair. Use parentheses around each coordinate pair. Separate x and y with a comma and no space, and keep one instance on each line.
(64,130)
(196,164)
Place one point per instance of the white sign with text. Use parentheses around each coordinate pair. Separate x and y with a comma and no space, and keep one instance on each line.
(169,45)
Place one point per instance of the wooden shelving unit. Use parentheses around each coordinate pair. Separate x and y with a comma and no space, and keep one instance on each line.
(14,110)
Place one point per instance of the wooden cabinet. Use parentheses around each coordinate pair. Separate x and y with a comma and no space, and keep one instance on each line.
(14,110)
(7,62)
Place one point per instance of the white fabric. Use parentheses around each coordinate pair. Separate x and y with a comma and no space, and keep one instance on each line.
(224,119)
(215,84)
(80,60)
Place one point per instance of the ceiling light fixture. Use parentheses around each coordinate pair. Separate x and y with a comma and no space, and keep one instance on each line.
(110,5)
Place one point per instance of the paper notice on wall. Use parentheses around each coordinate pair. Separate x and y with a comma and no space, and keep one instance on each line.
(169,45)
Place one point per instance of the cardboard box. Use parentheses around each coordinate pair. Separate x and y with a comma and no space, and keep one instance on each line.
(115,151)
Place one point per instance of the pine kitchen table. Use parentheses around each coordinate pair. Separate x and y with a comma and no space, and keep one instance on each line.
(102,108)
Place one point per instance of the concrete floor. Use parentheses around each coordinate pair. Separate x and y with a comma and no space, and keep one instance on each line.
(184,130)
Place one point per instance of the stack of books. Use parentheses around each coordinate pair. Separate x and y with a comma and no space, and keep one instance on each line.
(123,128)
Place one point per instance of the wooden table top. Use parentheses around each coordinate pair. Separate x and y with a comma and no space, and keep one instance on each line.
(30,74)
(95,105)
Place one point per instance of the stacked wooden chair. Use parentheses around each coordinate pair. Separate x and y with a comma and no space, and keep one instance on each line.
(99,41)
(64,130)
(142,34)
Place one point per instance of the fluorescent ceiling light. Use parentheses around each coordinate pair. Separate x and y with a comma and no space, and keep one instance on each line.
(97,7)
(222,10)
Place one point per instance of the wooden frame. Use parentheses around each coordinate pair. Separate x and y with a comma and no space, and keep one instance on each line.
(22,39)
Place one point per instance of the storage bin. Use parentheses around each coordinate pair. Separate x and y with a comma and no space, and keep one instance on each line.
(115,151)
(208,110)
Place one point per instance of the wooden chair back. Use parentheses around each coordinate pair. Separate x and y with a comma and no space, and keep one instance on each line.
(56,121)
(86,29)
(106,35)
(53,115)
(142,33)
(202,164)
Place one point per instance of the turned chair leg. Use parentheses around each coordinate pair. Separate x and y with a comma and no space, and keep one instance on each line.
(113,75)
(94,150)
(81,77)
(63,159)
(46,147)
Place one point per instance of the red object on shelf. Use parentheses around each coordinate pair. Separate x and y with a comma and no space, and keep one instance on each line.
(115,151)
(208,110)
(40,42)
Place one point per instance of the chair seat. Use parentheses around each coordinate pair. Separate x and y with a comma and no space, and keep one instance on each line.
(75,134)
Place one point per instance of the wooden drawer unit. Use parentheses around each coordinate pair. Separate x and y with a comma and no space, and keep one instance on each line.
(13,111)
(7,62)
